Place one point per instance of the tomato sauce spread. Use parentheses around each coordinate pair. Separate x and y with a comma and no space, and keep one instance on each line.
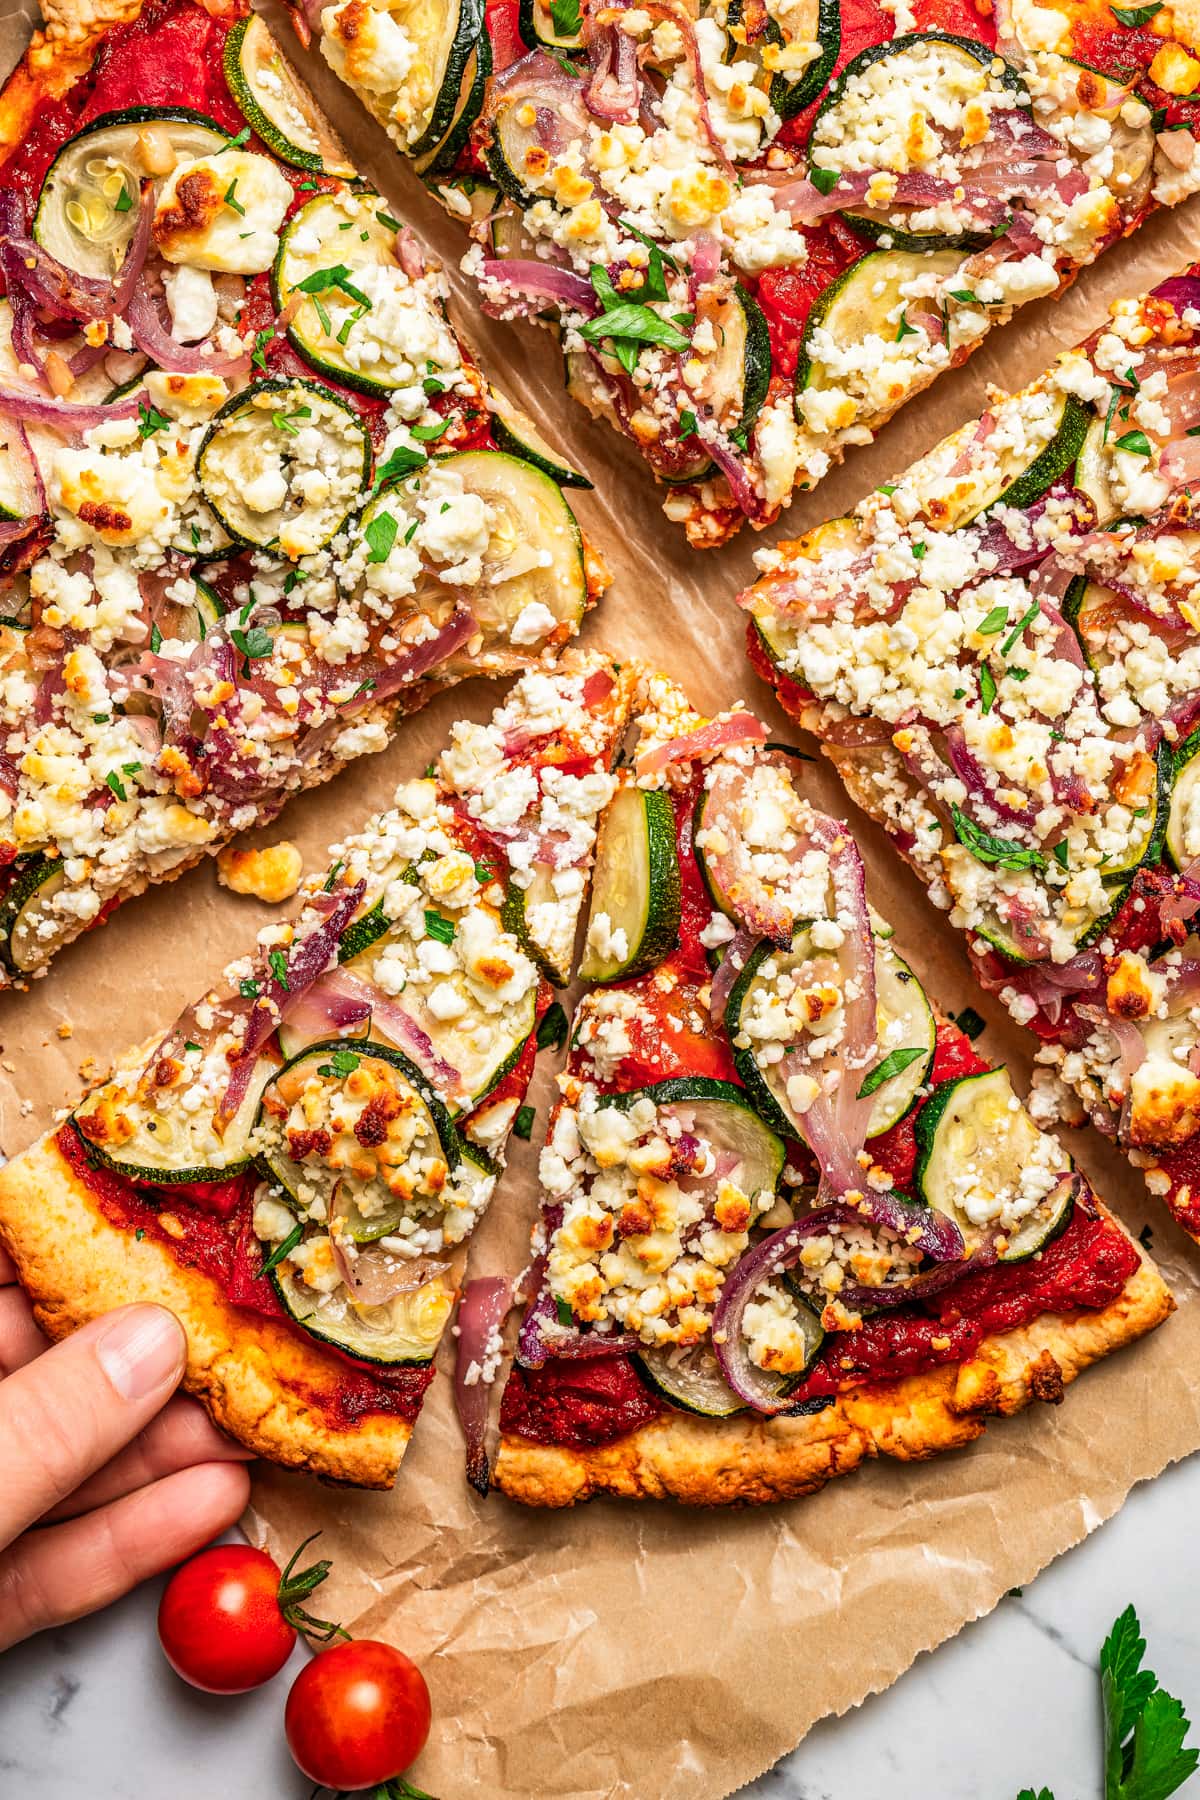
(209,1228)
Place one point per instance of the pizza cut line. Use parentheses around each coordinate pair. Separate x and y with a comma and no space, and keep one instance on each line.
(791,1218)
(297,1164)
(999,652)
(257,500)
(759,226)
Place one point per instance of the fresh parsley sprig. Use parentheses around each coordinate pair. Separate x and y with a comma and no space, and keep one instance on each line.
(1145,1756)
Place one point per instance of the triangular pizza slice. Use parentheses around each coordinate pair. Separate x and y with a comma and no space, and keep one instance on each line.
(791,1217)
(296,1165)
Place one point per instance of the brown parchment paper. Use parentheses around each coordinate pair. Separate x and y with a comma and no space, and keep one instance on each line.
(648,1652)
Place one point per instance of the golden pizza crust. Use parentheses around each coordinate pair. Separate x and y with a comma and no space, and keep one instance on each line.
(57,57)
(261,1382)
(744,1460)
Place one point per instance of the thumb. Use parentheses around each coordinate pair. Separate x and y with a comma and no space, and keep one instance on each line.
(66,1413)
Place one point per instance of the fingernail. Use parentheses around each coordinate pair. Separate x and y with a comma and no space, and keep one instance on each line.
(141,1351)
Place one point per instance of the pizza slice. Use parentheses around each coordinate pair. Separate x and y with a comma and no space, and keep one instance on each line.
(255,504)
(296,1166)
(1000,653)
(757,229)
(791,1218)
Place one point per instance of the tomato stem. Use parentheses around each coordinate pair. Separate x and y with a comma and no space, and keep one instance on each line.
(293,1588)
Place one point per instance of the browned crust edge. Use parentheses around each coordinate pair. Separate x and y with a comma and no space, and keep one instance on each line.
(259,1381)
(744,1461)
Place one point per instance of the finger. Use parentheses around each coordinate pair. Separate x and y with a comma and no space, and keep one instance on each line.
(180,1437)
(20,1339)
(8,1268)
(64,1415)
(49,1577)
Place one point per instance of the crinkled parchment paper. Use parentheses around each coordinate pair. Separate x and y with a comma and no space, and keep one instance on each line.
(649,1652)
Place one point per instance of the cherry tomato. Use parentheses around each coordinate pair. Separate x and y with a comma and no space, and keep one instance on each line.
(227,1620)
(219,1621)
(357,1715)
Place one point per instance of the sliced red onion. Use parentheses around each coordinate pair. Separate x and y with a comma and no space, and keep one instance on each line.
(539,282)
(974,778)
(65,292)
(409,253)
(306,960)
(399,672)
(64,415)
(705,260)
(705,741)
(374,1274)
(662,11)
(543,1338)
(350,992)
(1132,1047)
(485,1304)
(154,339)
(335,1003)
(1183,985)
(614,88)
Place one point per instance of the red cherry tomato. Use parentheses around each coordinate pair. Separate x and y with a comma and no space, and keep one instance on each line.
(219,1621)
(357,1715)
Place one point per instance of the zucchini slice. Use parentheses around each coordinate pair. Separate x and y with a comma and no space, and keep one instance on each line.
(29,931)
(778,636)
(533,564)
(87,209)
(258,451)
(689,1379)
(310,1134)
(19,497)
(544,947)
(736,375)
(514,138)
(537,24)
(814,26)
(444,33)
(168,1145)
(883,85)
(1090,610)
(481,1045)
(441,158)
(515,432)
(344,325)
(1005,480)
(906,1022)
(635,907)
(405,1330)
(191,624)
(468,198)
(722,1116)
(976,1146)
(863,301)
(1183,819)
(276,105)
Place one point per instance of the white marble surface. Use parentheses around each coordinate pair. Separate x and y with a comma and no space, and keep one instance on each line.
(94,1710)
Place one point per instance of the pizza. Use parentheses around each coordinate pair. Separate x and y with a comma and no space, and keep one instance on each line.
(758,226)
(257,500)
(1000,653)
(296,1165)
(791,1218)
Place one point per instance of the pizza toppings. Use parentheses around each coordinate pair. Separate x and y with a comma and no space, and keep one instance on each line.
(998,649)
(250,501)
(733,1232)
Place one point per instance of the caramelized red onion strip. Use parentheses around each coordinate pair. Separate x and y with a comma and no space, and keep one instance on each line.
(485,1304)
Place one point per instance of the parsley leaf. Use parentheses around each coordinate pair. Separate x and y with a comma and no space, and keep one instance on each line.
(1144,1727)
(523,1124)
(258,356)
(687,424)
(987,689)
(628,324)
(1061,852)
(552,1032)
(124,199)
(565,18)
(565,1315)
(155,639)
(232,200)
(824,180)
(894,1063)
(1136,442)
(401,461)
(278,963)
(1133,16)
(342,1062)
(253,643)
(985,848)
(428,434)
(150,420)
(113,781)
(437,927)
(284,1249)
(248,989)
(965,297)
(380,533)
(995,621)
(1020,628)
(969,1022)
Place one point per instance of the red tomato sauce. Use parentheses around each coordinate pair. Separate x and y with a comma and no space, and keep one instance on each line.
(216,1238)
(581,1404)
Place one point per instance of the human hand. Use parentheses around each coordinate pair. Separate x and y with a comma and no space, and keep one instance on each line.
(107,1478)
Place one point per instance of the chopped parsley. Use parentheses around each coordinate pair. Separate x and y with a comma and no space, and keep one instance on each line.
(277,962)
(894,1063)
(429,434)
(523,1123)
(113,781)
(401,461)
(150,420)
(231,199)
(437,927)
(565,18)
(342,1062)
(1061,852)
(1133,16)
(247,988)
(824,180)
(563,1312)
(1020,628)
(124,199)
(258,356)
(1136,442)
(987,689)
(380,533)
(255,643)
(1003,853)
(284,1249)
(552,1032)
(283,421)
(155,639)
(995,622)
